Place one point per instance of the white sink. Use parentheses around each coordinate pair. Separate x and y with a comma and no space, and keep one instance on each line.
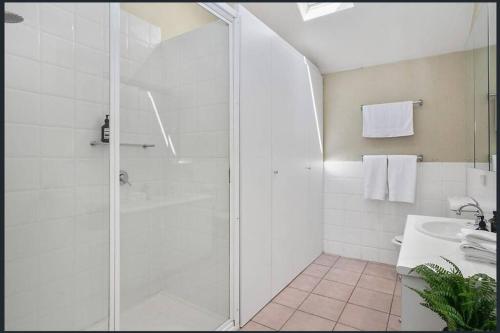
(443,229)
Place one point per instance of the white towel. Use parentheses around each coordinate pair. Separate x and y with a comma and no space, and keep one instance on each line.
(402,177)
(472,252)
(388,120)
(482,240)
(375,176)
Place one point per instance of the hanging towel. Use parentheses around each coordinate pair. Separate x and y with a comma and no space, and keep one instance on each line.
(375,176)
(388,120)
(402,177)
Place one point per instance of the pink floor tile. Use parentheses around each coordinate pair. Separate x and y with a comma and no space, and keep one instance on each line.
(326,260)
(377,283)
(371,299)
(334,289)
(301,321)
(291,297)
(396,306)
(394,323)
(340,275)
(316,270)
(273,315)
(354,265)
(304,282)
(363,318)
(253,326)
(342,327)
(380,270)
(322,306)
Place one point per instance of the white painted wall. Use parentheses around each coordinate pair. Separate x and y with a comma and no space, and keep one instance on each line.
(360,228)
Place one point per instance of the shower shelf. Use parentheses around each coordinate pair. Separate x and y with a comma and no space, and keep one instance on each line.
(143,145)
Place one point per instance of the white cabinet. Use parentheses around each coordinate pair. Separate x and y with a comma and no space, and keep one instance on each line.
(281,164)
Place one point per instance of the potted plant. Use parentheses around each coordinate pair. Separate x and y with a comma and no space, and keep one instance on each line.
(464,303)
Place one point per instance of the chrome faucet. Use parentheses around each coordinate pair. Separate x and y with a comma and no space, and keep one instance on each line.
(479,214)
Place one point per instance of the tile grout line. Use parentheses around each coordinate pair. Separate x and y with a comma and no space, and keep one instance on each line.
(392,301)
(308,294)
(347,302)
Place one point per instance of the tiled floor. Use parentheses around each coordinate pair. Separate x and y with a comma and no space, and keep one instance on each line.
(335,293)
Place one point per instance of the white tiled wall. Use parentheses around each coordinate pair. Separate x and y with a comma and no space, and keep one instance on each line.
(482,186)
(56,202)
(360,228)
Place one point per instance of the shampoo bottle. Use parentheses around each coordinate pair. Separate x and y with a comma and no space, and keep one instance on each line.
(105,130)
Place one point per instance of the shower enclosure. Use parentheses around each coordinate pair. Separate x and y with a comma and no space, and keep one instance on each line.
(134,233)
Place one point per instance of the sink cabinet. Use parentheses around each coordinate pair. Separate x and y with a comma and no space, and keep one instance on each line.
(415,317)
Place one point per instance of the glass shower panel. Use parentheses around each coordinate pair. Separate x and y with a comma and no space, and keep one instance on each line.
(174,132)
(56,183)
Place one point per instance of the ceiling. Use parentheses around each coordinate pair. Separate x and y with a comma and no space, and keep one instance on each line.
(370,33)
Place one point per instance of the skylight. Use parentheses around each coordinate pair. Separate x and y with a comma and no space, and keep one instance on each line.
(312,10)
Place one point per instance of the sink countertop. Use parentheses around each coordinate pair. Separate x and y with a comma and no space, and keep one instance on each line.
(419,248)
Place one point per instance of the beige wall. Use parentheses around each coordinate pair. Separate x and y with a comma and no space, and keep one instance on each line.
(440,124)
(173,18)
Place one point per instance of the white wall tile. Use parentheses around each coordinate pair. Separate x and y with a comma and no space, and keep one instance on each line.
(56,50)
(57,142)
(22,40)
(89,88)
(22,107)
(364,228)
(22,140)
(57,80)
(57,111)
(89,33)
(22,73)
(56,203)
(90,60)
(21,207)
(57,172)
(22,174)
(57,21)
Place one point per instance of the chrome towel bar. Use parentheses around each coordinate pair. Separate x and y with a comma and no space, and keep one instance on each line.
(417,102)
(420,158)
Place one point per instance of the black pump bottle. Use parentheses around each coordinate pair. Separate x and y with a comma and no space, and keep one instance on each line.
(105,130)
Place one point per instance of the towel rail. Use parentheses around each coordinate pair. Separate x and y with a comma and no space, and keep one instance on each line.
(420,157)
(417,102)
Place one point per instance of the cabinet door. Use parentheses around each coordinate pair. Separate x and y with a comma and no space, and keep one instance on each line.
(288,157)
(315,155)
(255,166)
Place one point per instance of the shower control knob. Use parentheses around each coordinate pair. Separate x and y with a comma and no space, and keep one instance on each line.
(124,178)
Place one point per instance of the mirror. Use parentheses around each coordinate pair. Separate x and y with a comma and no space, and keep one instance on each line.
(481,85)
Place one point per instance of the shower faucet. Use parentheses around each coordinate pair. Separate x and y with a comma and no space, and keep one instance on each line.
(124,178)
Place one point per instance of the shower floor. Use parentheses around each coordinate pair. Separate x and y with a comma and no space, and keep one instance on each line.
(164,312)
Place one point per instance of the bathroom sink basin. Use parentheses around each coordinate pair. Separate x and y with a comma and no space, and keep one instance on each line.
(443,229)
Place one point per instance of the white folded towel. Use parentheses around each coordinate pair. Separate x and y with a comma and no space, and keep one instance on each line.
(402,177)
(482,240)
(375,176)
(388,120)
(472,252)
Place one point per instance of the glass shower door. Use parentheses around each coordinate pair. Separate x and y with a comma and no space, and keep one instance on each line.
(174,161)
(56,182)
